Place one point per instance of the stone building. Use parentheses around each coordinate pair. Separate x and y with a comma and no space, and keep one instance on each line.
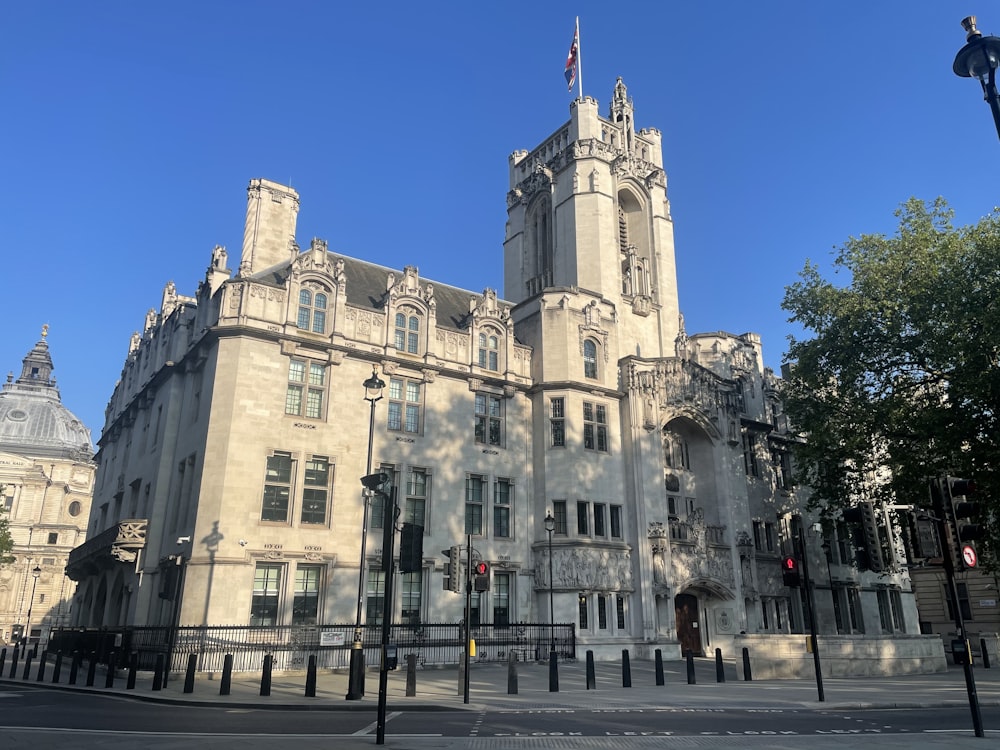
(230,460)
(46,479)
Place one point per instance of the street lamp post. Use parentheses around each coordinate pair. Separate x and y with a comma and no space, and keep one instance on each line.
(979,59)
(36,571)
(356,682)
(550,526)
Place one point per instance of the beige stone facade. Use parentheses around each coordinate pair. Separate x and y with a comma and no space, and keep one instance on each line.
(236,438)
(46,480)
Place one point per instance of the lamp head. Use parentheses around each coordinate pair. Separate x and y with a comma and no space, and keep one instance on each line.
(550,522)
(373,387)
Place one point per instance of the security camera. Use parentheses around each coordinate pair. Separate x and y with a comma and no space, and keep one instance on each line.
(374,481)
(183,539)
(243,542)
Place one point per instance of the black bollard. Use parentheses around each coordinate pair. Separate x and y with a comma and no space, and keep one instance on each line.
(3,658)
(591,674)
(40,676)
(690,665)
(34,650)
(74,667)
(189,674)
(747,674)
(511,673)
(227,675)
(659,667)
(13,662)
(27,666)
(982,646)
(133,668)
(109,678)
(265,677)
(720,669)
(626,669)
(311,677)
(158,673)
(92,669)
(553,672)
(57,668)
(411,674)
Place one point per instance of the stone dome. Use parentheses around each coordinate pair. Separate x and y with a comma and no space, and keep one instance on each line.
(33,420)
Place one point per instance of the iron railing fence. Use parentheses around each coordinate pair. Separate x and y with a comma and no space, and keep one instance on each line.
(291,645)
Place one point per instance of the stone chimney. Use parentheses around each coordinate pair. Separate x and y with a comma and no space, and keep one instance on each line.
(269,234)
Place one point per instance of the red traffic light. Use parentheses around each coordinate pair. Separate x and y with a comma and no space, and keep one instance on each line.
(790,572)
(481,568)
(789,563)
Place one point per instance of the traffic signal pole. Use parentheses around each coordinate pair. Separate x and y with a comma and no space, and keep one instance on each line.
(468,617)
(810,611)
(941,513)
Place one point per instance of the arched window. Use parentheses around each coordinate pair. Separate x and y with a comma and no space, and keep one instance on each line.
(489,351)
(590,359)
(312,311)
(407,332)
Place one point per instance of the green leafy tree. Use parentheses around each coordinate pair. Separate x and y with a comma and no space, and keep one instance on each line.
(898,376)
(6,541)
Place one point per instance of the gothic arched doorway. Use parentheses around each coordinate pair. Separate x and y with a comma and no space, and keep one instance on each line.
(688,627)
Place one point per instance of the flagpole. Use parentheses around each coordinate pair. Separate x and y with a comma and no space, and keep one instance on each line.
(579,58)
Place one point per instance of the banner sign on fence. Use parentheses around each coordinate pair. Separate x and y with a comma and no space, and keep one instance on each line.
(331,638)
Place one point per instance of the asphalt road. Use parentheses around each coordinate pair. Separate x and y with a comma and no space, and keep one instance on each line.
(40,719)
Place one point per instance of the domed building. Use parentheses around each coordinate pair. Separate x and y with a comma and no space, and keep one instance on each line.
(46,483)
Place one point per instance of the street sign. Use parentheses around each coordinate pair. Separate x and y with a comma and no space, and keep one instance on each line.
(969,556)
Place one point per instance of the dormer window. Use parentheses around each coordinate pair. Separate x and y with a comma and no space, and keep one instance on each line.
(407,332)
(489,351)
(312,311)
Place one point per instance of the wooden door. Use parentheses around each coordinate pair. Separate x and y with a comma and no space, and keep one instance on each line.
(688,627)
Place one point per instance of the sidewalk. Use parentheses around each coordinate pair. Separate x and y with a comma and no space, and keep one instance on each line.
(439,689)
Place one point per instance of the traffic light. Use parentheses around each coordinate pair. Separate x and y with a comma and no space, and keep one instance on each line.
(862,517)
(411,548)
(790,575)
(964,512)
(453,570)
(481,571)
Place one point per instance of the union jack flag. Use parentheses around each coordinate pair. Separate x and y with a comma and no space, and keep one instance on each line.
(571,59)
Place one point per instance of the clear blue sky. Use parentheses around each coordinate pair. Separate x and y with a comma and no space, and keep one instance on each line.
(130,131)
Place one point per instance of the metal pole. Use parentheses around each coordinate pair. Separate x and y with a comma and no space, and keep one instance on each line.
(810,611)
(356,679)
(388,539)
(31,603)
(937,497)
(552,619)
(468,615)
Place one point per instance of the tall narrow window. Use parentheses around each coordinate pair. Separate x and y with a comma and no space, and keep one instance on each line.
(414,510)
(620,612)
(404,405)
(590,359)
(489,419)
(557,421)
(312,311)
(277,487)
(407,332)
(583,518)
(374,598)
(489,351)
(305,605)
(475,489)
(411,585)
(583,609)
(266,589)
(602,613)
(559,513)
(600,519)
(501,599)
(616,522)
(503,495)
(595,427)
(316,490)
(750,454)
